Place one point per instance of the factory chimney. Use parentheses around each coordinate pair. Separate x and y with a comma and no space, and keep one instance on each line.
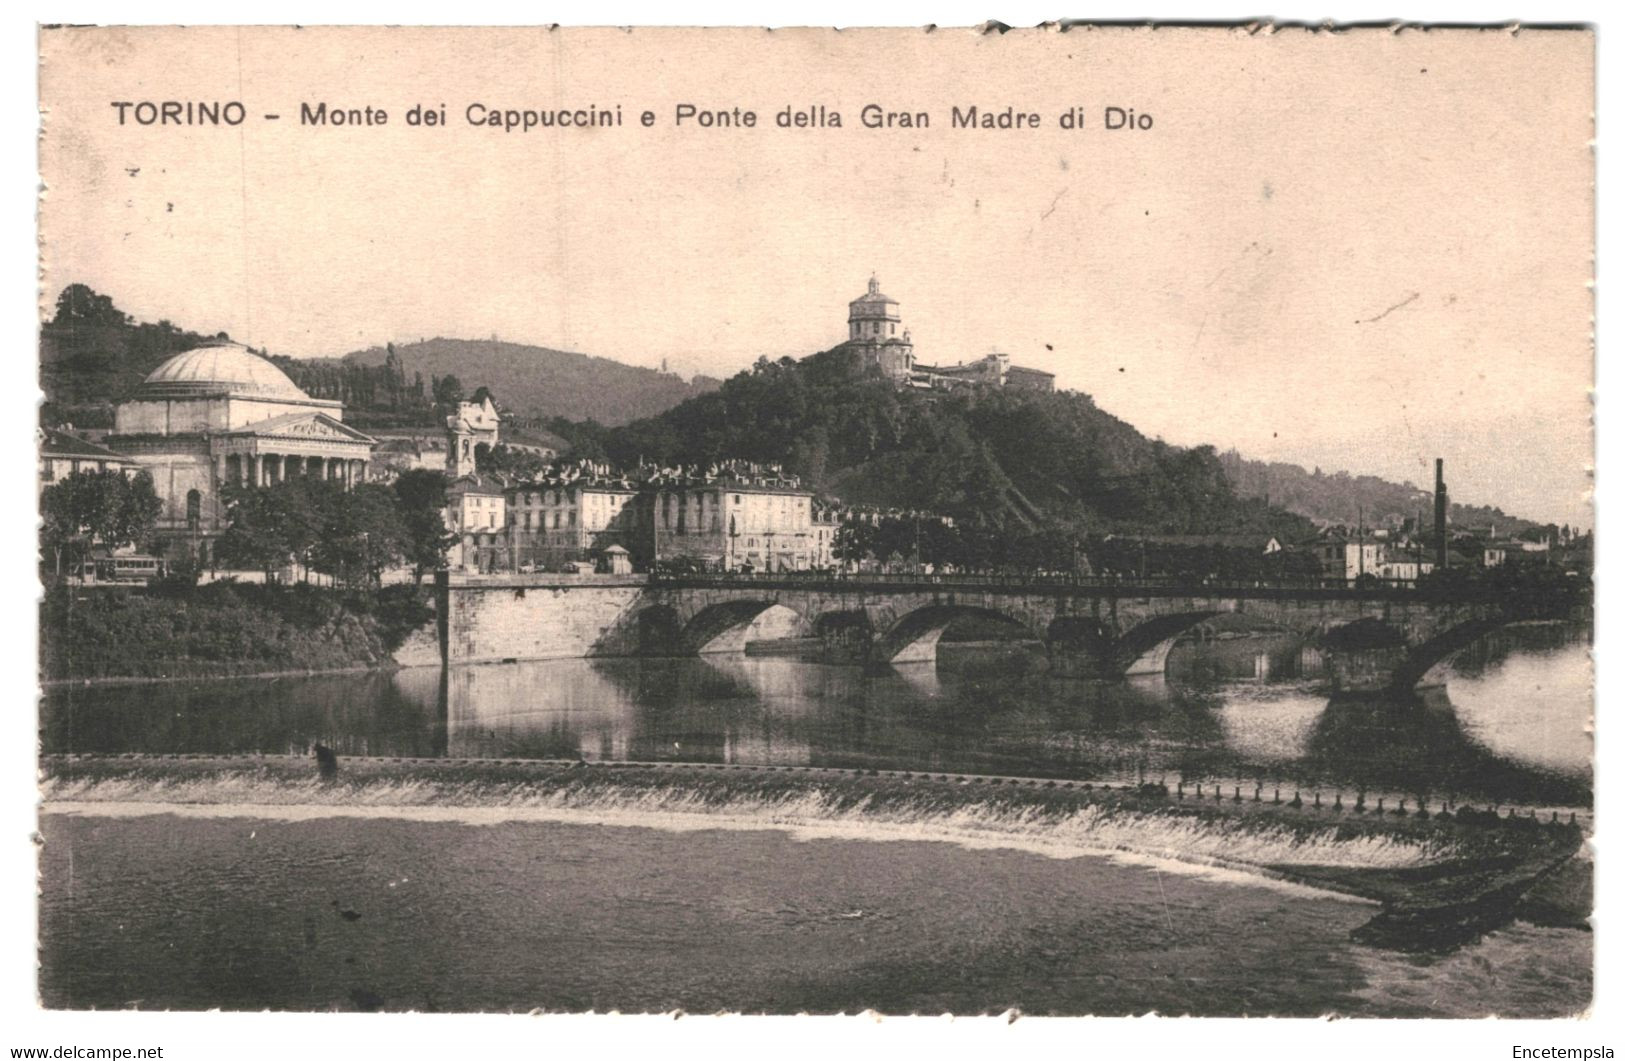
(1441,506)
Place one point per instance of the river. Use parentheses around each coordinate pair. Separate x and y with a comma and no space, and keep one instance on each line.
(1509,723)
(195,907)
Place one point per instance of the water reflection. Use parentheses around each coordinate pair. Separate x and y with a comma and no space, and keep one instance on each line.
(1511,726)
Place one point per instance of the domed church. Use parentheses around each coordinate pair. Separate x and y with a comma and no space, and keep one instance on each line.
(872,325)
(220,414)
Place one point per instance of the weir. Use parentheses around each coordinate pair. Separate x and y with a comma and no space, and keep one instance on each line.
(1376,637)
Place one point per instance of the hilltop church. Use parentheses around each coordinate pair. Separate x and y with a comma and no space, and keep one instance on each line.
(875,329)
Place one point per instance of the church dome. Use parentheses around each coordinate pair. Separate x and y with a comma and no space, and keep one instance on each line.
(873,305)
(219,368)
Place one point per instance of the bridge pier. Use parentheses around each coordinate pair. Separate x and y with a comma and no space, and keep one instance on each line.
(1366,670)
(1153,662)
(1073,664)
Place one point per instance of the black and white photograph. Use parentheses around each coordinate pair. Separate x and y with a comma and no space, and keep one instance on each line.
(1077,520)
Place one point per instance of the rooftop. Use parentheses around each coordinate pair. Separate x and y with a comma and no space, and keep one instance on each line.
(58,443)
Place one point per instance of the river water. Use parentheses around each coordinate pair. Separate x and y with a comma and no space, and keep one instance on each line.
(1509,724)
(253,908)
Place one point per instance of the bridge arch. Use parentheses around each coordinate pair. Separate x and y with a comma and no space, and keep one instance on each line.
(659,631)
(1144,649)
(727,626)
(1441,646)
(913,637)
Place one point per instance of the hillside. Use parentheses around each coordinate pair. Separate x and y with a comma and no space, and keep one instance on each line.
(1345,499)
(535,381)
(91,353)
(1018,462)
(1009,458)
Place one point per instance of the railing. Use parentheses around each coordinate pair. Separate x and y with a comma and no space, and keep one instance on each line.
(1551,601)
(1108,583)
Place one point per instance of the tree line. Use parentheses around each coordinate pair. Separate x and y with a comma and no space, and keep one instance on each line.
(350,535)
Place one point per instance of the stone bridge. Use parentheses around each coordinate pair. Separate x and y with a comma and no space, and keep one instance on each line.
(1376,637)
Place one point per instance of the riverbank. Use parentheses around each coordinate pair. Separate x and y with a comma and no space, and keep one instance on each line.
(1441,881)
(179,631)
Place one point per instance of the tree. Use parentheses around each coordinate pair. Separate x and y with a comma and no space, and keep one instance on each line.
(268,527)
(362,532)
(505,460)
(448,390)
(78,304)
(854,542)
(420,494)
(103,508)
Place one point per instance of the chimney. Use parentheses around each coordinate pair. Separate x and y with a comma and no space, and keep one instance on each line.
(1441,506)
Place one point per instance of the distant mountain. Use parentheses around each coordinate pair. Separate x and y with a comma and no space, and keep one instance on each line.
(1341,498)
(535,381)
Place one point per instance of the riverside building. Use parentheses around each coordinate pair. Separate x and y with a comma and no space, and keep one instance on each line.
(733,518)
(577,512)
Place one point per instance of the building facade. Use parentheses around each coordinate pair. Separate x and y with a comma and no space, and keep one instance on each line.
(220,415)
(735,517)
(62,454)
(573,516)
(993,370)
(758,522)
(1348,559)
(477,514)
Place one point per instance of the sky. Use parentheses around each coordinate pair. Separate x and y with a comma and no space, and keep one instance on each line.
(1356,251)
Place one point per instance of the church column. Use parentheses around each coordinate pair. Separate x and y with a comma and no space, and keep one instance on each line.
(253,470)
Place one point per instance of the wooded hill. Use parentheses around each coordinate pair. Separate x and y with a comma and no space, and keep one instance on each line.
(1015,458)
(1345,499)
(537,381)
(92,354)
(1020,460)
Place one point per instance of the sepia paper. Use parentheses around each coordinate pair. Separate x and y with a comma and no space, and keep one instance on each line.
(1357,252)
